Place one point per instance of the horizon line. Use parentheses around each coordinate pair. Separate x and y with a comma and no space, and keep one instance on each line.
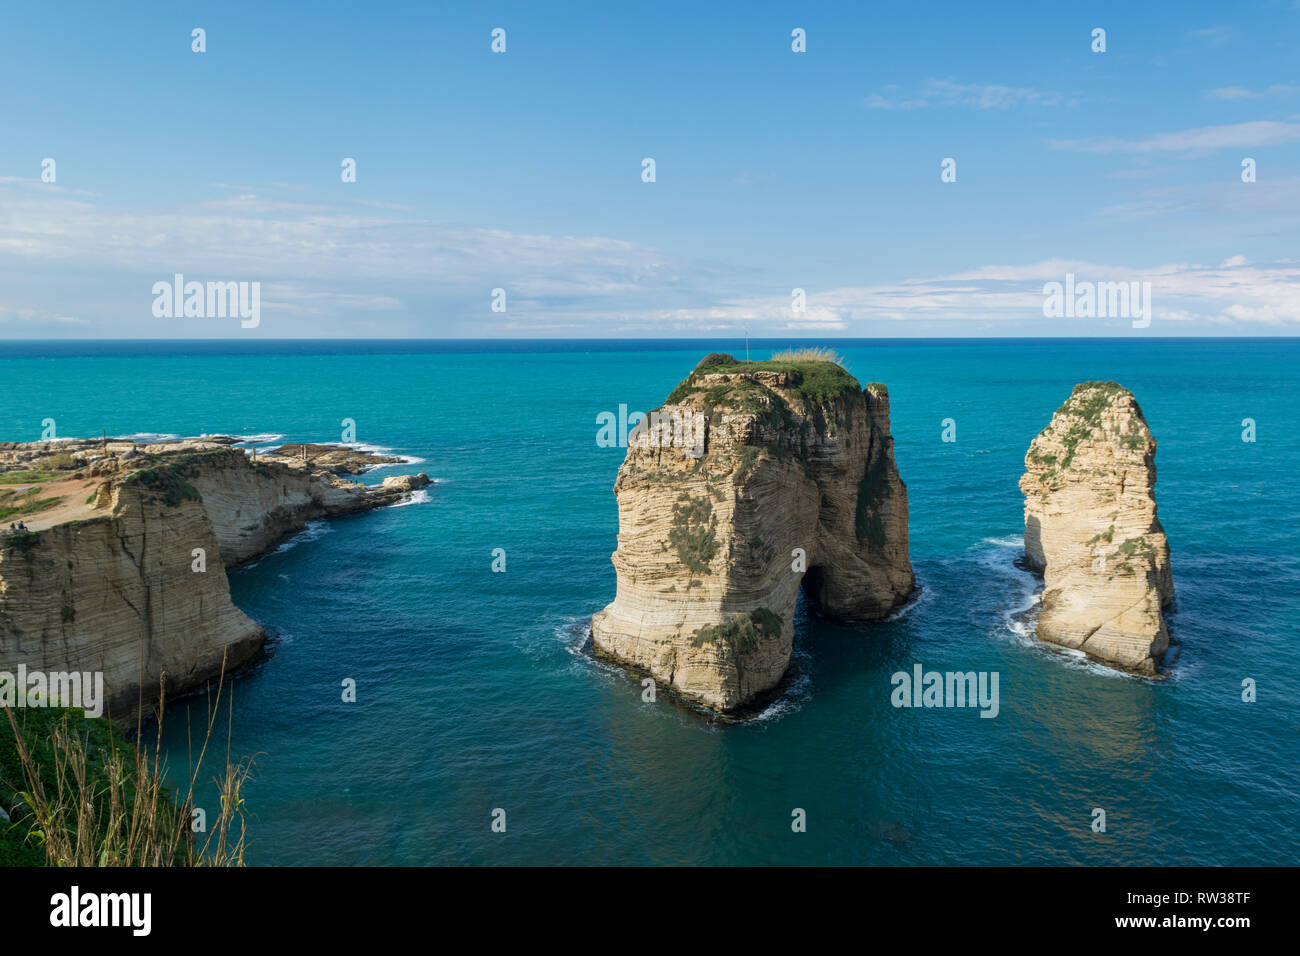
(660,338)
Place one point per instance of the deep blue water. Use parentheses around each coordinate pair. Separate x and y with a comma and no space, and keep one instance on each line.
(474,694)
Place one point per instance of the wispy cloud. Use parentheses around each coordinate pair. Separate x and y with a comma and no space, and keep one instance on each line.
(250,189)
(1233,291)
(1214,36)
(1232,202)
(383,274)
(299,299)
(13,314)
(1143,172)
(1200,139)
(1230,294)
(250,235)
(33,182)
(318,259)
(1228,94)
(380,204)
(981,96)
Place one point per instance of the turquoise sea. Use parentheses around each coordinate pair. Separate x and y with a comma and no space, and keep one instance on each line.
(474,692)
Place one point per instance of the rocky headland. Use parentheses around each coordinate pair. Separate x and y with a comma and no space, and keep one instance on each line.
(751,481)
(1091,530)
(336,459)
(122,566)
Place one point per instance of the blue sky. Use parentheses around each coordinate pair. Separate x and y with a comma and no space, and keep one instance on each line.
(775,170)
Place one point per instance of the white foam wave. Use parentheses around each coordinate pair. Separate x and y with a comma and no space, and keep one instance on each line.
(923,594)
(1020,617)
(418,497)
(269,438)
(377,450)
(998,556)
(147,438)
(797,693)
(574,633)
(312,531)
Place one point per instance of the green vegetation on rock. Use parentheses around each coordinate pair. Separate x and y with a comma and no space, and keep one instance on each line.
(742,632)
(1106,536)
(871,495)
(20,504)
(1129,550)
(167,481)
(813,380)
(1084,409)
(694,532)
(21,542)
(29,477)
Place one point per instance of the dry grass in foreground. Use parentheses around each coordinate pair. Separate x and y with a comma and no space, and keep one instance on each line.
(93,799)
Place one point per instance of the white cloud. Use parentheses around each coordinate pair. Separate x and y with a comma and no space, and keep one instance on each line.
(250,237)
(34,183)
(1235,204)
(299,299)
(1232,93)
(389,274)
(982,96)
(14,314)
(1146,172)
(317,260)
(1233,292)
(1236,135)
(1214,36)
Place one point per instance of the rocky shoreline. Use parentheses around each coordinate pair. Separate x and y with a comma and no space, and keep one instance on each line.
(120,565)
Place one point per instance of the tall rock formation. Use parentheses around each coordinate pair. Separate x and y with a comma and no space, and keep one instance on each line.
(1091,530)
(109,577)
(751,480)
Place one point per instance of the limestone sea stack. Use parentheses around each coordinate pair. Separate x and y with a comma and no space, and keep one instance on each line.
(751,480)
(1091,530)
(122,568)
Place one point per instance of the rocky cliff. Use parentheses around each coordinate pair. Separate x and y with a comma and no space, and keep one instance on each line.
(107,577)
(751,481)
(253,505)
(1091,530)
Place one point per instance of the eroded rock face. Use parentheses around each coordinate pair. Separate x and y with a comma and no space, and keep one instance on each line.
(107,579)
(253,505)
(1091,529)
(747,464)
(117,593)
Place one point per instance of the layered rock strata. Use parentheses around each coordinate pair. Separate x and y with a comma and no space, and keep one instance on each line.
(752,480)
(123,567)
(1091,530)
